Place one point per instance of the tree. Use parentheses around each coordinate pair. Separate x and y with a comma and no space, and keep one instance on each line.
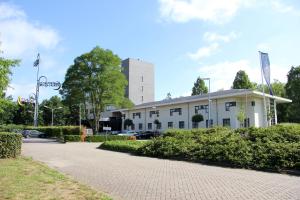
(293,92)
(157,123)
(95,79)
(5,72)
(9,108)
(199,87)
(128,123)
(196,119)
(60,115)
(241,81)
(169,96)
(241,115)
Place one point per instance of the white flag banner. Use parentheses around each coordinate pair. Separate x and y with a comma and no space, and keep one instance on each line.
(265,65)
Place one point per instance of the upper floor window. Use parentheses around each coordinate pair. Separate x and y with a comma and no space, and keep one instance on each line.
(201,107)
(138,114)
(179,110)
(154,112)
(229,104)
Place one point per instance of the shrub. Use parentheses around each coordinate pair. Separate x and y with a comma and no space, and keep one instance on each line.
(72,138)
(128,146)
(10,145)
(103,138)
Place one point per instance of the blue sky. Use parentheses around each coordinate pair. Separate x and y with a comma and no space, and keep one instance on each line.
(183,39)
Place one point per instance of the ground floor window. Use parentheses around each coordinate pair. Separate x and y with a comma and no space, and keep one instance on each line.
(149,126)
(181,124)
(158,126)
(226,122)
(246,122)
(133,127)
(170,124)
(211,123)
(195,125)
(140,126)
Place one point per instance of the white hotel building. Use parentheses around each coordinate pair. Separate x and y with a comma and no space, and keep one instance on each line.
(224,108)
(178,112)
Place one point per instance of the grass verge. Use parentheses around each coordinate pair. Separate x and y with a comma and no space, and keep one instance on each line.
(23,178)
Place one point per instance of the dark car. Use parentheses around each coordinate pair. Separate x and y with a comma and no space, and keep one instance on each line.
(147,135)
(33,134)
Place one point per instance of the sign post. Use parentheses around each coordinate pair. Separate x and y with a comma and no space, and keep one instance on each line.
(106,129)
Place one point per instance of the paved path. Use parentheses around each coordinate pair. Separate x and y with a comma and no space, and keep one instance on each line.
(123,176)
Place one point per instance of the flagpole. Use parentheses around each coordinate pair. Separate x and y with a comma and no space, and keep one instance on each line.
(262,83)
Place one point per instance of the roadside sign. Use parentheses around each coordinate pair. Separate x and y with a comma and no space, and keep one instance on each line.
(107,128)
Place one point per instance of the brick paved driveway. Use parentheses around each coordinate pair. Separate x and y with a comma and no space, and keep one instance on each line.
(123,176)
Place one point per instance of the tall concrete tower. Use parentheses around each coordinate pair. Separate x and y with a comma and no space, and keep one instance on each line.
(140,77)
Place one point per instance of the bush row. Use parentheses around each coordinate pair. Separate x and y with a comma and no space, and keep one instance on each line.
(10,145)
(276,148)
(127,146)
(50,131)
(103,138)
(72,138)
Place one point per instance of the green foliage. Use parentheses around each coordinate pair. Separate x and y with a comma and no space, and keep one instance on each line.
(103,138)
(128,146)
(197,118)
(10,145)
(7,110)
(72,138)
(293,92)
(241,81)
(96,79)
(199,87)
(127,123)
(50,131)
(241,115)
(5,72)
(277,147)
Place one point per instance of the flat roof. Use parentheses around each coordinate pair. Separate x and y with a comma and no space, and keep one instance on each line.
(213,95)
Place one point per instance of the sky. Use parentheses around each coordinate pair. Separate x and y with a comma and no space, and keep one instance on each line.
(184,39)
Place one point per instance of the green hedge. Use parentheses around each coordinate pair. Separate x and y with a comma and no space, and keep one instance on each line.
(10,145)
(129,146)
(275,148)
(102,138)
(72,138)
(50,131)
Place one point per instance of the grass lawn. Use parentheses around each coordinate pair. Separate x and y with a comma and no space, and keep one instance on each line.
(23,178)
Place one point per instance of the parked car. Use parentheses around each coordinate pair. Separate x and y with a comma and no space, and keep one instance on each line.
(128,133)
(147,135)
(32,133)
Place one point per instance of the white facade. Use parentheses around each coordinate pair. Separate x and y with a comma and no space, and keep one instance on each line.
(225,107)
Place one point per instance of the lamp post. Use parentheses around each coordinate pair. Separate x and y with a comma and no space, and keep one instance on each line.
(52,110)
(209,124)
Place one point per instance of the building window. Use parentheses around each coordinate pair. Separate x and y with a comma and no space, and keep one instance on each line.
(133,127)
(158,126)
(142,88)
(140,126)
(136,115)
(91,111)
(229,104)
(142,99)
(211,123)
(201,107)
(142,78)
(179,110)
(195,124)
(252,103)
(154,112)
(149,126)
(246,122)
(226,122)
(181,124)
(170,124)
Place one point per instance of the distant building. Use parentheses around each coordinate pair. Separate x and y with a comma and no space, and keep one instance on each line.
(225,106)
(140,77)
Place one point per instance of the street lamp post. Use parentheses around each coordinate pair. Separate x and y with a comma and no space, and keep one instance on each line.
(209,105)
(52,110)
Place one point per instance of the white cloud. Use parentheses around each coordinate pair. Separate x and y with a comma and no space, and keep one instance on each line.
(222,74)
(21,37)
(22,90)
(281,7)
(205,10)
(264,47)
(216,11)
(215,37)
(204,52)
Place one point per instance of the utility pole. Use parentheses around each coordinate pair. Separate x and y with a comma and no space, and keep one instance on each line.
(52,111)
(36,106)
